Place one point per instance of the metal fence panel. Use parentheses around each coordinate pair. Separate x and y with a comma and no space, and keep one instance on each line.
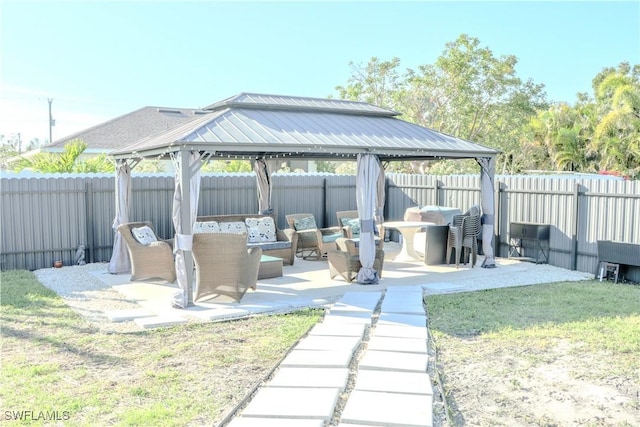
(46,217)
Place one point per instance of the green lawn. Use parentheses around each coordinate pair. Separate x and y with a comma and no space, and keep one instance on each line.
(54,364)
(588,331)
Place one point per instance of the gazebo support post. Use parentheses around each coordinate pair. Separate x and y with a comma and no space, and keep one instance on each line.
(185,219)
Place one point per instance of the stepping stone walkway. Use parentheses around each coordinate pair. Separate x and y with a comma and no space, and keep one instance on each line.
(364,365)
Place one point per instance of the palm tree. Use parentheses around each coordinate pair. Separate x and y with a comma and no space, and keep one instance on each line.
(616,137)
(68,161)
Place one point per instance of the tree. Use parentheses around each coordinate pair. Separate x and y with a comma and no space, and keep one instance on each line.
(616,140)
(8,150)
(69,161)
(467,93)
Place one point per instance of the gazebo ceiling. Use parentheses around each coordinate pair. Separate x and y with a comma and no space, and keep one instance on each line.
(254,125)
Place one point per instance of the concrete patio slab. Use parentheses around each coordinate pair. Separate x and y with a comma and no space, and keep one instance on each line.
(358,301)
(127,315)
(159,321)
(290,402)
(372,408)
(417,289)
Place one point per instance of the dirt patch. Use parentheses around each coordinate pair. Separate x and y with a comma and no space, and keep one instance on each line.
(511,385)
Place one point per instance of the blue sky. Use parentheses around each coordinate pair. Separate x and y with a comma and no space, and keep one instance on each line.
(99,60)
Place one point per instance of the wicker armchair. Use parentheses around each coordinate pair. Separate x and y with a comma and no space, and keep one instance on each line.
(345,260)
(225,267)
(346,219)
(463,236)
(351,229)
(153,260)
(313,242)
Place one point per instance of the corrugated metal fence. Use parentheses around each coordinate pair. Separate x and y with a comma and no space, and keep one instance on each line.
(47,218)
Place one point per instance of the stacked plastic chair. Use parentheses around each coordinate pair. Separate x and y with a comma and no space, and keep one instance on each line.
(463,236)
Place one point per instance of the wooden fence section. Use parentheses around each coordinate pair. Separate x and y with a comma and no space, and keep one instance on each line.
(47,218)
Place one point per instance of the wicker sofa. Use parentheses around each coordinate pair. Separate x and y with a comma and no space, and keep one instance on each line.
(284,246)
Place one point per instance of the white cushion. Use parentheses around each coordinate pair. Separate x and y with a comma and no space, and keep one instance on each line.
(261,229)
(206,227)
(144,235)
(234,227)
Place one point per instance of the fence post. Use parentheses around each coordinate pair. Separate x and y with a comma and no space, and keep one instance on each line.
(89,220)
(385,208)
(574,231)
(436,190)
(498,220)
(324,202)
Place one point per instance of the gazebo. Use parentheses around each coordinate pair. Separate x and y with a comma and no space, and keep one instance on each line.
(262,128)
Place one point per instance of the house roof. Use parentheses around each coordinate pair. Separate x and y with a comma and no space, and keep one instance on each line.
(128,128)
(255,125)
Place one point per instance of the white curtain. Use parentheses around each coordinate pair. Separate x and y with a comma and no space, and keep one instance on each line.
(381,196)
(263,169)
(120,262)
(184,217)
(366,195)
(487,200)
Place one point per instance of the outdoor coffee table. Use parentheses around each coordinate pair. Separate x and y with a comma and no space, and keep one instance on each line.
(270,267)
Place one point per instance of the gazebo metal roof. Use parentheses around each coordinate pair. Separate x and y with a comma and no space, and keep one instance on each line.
(256,125)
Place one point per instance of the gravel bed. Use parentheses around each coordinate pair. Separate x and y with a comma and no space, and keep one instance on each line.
(88,295)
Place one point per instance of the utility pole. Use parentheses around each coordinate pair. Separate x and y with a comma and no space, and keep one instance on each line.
(52,122)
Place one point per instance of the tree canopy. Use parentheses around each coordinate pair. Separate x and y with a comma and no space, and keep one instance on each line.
(470,93)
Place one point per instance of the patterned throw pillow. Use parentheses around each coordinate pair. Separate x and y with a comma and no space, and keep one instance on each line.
(234,227)
(144,235)
(206,227)
(261,229)
(306,223)
(354,223)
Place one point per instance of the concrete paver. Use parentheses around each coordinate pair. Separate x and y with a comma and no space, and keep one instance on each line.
(403,319)
(337,330)
(320,342)
(394,382)
(310,377)
(393,361)
(370,407)
(274,422)
(406,331)
(317,359)
(408,345)
(291,402)
(348,318)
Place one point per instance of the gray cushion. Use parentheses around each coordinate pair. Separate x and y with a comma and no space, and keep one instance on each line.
(326,238)
(265,246)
